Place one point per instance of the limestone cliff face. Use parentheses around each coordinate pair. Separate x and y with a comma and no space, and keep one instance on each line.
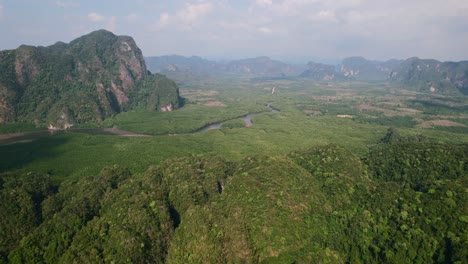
(320,72)
(91,78)
(420,74)
(359,68)
(433,76)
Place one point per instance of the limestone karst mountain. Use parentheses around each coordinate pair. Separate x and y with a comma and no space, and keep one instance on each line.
(93,77)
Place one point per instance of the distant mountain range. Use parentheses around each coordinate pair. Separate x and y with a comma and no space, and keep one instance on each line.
(320,71)
(100,74)
(91,78)
(259,66)
(421,74)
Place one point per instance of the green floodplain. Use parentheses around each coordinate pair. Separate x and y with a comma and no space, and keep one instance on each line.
(344,172)
(352,115)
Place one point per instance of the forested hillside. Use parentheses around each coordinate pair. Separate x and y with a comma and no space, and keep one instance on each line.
(91,78)
(424,75)
(288,143)
(259,66)
(433,75)
(405,202)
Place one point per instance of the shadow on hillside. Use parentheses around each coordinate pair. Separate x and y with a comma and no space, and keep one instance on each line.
(182,101)
(18,155)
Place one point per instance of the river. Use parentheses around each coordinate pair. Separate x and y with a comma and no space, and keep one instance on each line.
(247,120)
(23,137)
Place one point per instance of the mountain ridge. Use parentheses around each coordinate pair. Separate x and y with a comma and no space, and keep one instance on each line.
(427,75)
(258,66)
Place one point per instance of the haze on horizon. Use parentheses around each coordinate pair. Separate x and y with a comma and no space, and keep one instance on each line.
(292,30)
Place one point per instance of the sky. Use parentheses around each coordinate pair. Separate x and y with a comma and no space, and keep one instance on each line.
(291,30)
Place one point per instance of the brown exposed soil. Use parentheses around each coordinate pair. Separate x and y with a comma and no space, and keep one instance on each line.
(215,103)
(391,104)
(198,93)
(409,110)
(125,77)
(447,103)
(325,98)
(448,116)
(440,122)
(206,99)
(389,113)
(11,135)
(25,67)
(312,112)
(386,112)
(122,98)
(202,97)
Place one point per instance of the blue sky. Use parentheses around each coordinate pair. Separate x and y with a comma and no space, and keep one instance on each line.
(298,30)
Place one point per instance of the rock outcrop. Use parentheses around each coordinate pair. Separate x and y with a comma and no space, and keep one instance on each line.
(258,67)
(419,74)
(320,72)
(433,75)
(91,78)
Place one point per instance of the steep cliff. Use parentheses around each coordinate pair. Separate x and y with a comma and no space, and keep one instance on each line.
(414,73)
(320,72)
(91,78)
(259,66)
(433,75)
(359,68)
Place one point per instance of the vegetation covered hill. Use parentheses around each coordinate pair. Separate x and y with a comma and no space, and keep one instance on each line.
(319,71)
(433,75)
(91,78)
(248,195)
(421,74)
(259,66)
(193,64)
(263,66)
(361,69)
(319,205)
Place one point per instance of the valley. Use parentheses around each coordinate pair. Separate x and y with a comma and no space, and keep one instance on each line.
(251,161)
(22,137)
(353,115)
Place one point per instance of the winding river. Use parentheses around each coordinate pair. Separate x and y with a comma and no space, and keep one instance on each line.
(23,137)
(247,120)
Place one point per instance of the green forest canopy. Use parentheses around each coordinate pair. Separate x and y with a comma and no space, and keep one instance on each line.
(403,202)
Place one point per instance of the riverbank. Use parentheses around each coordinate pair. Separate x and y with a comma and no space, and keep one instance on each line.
(22,137)
(12,135)
(124,133)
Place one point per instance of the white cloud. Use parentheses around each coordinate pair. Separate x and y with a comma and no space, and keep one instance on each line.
(164,20)
(184,18)
(326,15)
(233,25)
(265,30)
(132,17)
(264,3)
(338,28)
(65,4)
(192,12)
(111,24)
(1,11)
(285,7)
(95,17)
